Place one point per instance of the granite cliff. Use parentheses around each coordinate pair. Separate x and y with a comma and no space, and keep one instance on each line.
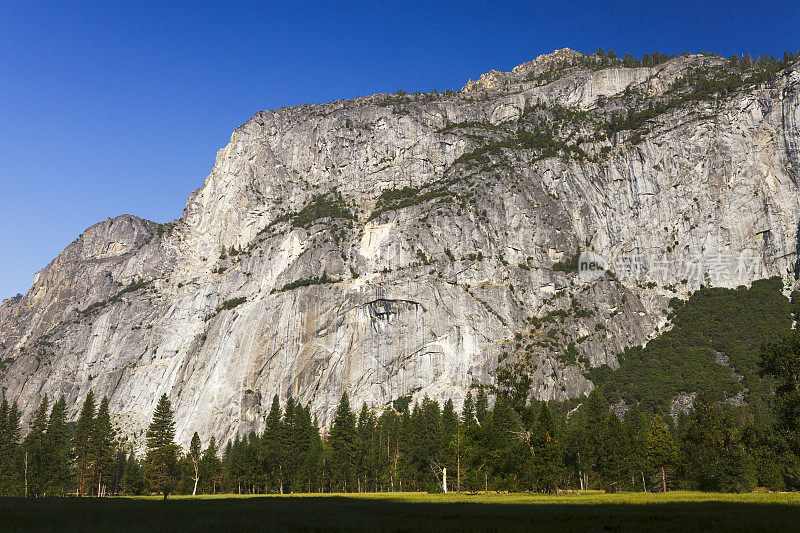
(418,244)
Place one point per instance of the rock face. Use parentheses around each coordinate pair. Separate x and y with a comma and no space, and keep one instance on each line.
(399,245)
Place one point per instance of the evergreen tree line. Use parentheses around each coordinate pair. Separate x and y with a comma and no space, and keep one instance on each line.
(507,446)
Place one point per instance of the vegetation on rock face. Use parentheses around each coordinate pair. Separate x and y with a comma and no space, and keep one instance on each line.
(231,303)
(331,206)
(713,326)
(320,280)
(394,199)
(570,264)
(132,287)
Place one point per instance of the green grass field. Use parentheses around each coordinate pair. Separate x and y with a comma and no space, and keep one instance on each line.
(410,512)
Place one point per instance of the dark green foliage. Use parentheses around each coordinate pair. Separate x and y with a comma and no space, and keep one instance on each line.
(132,287)
(713,457)
(35,454)
(58,442)
(82,446)
(9,448)
(394,199)
(103,445)
(330,206)
(231,304)
(321,280)
(780,359)
(344,448)
(161,461)
(731,322)
(133,481)
(661,451)
(570,264)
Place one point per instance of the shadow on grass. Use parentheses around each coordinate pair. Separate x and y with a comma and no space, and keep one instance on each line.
(364,514)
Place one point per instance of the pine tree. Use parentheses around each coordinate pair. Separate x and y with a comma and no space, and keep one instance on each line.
(35,453)
(161,461)
(597,414)
(781,360)
(613,456)
(102,447)
(211,467)
(82,445)
(468,410)
(344,447)
(271,449)
(546,455)
(365,461)
(9,466)
(637,430)
(660,449)
(481,406)
(712,453)
(194,457)
(449,446)
(132,480)
(58,442)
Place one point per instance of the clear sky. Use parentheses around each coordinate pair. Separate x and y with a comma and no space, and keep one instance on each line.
(109,108)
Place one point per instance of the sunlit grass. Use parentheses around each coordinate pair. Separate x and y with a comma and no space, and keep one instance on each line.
(576,498)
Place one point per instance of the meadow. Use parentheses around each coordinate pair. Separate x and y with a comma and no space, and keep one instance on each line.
(409,512)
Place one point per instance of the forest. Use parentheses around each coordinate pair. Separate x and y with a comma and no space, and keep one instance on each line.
(496,441)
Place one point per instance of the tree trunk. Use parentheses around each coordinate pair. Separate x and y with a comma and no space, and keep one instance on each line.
(643,482)
(663,480)
(444,479)
(196,477)
(458,461)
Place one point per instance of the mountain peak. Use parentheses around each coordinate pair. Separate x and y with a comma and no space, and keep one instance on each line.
(492,79)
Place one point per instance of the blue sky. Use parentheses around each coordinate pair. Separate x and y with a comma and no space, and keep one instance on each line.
(109,108)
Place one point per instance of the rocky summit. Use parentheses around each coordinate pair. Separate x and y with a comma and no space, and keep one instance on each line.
(402,245)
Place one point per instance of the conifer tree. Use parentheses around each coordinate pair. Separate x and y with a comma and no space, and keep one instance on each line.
(102,447)
(637,430)
(481,406)
(614,451)
(596,418)
(35,454)
(194,457)
(365,430)
(271,447)
(211,467)
(58,443)
(660,449)
(468,410)
(82,446)
(161,461)
(344,447)
(9,448)
(450,444)
(546,456)
(132,480)
(781,360)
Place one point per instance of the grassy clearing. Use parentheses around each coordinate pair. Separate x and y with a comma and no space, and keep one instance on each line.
(410,512)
